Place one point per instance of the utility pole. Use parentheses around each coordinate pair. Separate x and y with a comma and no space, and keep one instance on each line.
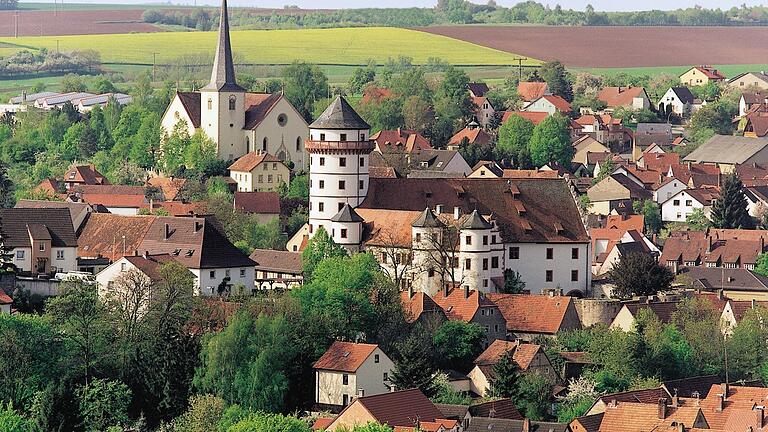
(519,61)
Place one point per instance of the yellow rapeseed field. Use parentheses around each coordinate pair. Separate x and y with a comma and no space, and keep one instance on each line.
(325,46)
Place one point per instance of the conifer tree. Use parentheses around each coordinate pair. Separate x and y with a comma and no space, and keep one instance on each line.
(730,210)
(506,376)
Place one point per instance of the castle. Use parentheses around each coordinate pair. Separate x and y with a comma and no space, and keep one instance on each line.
(238,121)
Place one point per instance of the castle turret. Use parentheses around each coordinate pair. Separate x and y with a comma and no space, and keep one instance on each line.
(475,252)
(427,231)
(339,149)
(347,228)
(222,100)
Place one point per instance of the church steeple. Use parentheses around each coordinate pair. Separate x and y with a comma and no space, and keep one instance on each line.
(223,74)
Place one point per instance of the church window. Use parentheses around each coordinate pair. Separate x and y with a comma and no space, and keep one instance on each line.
(264,144)
(210,104)
(298,143)
(282,119)
(232,102)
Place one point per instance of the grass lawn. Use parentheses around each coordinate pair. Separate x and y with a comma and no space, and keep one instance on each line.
(342,46)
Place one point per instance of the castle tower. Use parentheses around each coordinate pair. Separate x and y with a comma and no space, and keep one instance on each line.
(222,101)
(347,228)
(475,252)
(427,231)
(339,150)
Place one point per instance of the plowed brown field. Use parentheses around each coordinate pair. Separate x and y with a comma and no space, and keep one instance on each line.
(46,23)
(614,47)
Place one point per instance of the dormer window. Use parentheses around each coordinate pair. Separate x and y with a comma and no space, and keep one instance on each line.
(232,102)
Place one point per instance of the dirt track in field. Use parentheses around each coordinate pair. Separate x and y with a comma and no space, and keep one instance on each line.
(615,47)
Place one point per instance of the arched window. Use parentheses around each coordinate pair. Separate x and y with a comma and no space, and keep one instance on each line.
(210,104)
(264,144)
(232,101)
(298,143)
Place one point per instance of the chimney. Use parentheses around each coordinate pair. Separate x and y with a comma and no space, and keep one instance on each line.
(526,425)
(709,243)
(360,392)
(753,303)
(198,226)
(446,291)
(680,427)
(167,231)
(720,403)
(675,400)
(725,388)
(438,209)
(456,213)
(466,291)
(720,295)
(759,415)
(662,408)
(146,254)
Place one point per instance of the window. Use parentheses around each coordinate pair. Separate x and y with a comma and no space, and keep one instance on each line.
(485,263)
(467,264)
(213,274)
(574,253)
(468,240)
(242,273)
(345,379)
(689,202)
(362,161)
(386,376)
(375,358)
(514,252)
(265,167)
(321,184)
(20,254)
(494,262)
(345,399)
(298,143)
(418,237)
(455,262)
(282,119)
(362,184)
(226,273)
(122,267)
(342,137)
(343,233)
(232,102)
(322,161)
(322,137)
(274,165)
(676,202)
(383,257)
(264,144)
(261,178)
(42,247)
(269,178)
(210,104)
(342,162)
(340,206)
(550,253)
(548,276)
(431,272)
(342,184)
(60,255)
(320,206)
(574,275)
(485,240)
(495,328)
(493,239)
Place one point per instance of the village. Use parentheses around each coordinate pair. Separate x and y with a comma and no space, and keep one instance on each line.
(585,258)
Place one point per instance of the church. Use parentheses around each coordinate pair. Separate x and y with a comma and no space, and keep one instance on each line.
(238,121)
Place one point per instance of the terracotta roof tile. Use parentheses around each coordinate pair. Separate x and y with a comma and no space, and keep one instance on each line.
(473,135)
(460,308)
(150,264)
(52,224)
(737,399)
(619,96)
(257,106)
(405,408)
(277,261)
(533,313)
(249,162)
(400,140)
(534,117)
(418,304)
(99,235)
(257,202)
(85,174)
(344,356)
(530,91)
(522,354)
(663,310)
(169,186)
(560,104)
(642,417)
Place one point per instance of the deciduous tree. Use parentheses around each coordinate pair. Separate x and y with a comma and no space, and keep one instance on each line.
(551,142)
(638,274)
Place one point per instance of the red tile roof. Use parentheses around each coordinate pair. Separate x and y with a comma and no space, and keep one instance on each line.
(710,72)
(191,103)
(183,209)
(418,304)
(400,140)
(345,356)
(530,91)
(473,136)
(249,162)
(169,185)
(102,235)
(375,94)
(85,174)
(257,106)
(401,408)
(500,408)
(257,202)
(523,354)
(625,222)
(458,307)
(534,313)
(534,117)
(150,265)
(5,298)
(619,96)
(321,423)
(642,417)
(663,310)
(277,261)
(737,399)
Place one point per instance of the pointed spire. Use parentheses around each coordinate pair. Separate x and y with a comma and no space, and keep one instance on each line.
(339,115)
(476,221)
(347,214)
(223,74)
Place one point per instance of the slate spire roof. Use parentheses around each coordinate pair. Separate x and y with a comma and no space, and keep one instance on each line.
(427,219)
(347,214)
(339,115)
(476,221)
(223,74)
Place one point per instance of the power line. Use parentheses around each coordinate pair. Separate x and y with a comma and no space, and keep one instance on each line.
(519,61)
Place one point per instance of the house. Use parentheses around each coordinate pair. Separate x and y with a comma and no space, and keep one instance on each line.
(491,169)
(627,316)
(530,316)
(496,409)
(661,416)
(265,205)
(701,75)
(219,267)
(550,104)
(735,284)
(441,163)
(750,80)
(634,98)
(533,117)
(605,128)
(486,424)
(350,370)
(79,175)
(682,204)
(667,188)
(399,140)
(749,101)
(586,423)
(587,146)
(727,152)
(731,407)
(648,134)
(170,187)
(757,200)
(6,303)
(238,122)
(472,306)
(756,124)
(277,270)
(714,248)
(734,311)
(530,358)
(678,101)
(41,240)
(529,91)
(146,272)
(657,159)
(609,245)
(58,100)
(259,172)
(404,410)
(117,199)
(616,192)
(86,104)
(469,135)
(477,89)
(647,396)
(419,307)
(485,113)
(78,212)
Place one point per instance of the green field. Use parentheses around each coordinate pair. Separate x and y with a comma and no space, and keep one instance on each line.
(341,46)
(728,70)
